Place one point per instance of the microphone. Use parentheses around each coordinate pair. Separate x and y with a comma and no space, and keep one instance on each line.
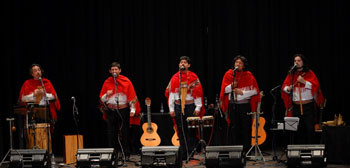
(182,67)
(235,68)
(115,75)
(75,108)
(273,89)
(291,69)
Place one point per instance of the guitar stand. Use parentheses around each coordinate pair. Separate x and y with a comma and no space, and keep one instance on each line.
(256,156)
(200,143)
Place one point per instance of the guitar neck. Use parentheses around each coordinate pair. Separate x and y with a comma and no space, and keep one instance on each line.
(149,117)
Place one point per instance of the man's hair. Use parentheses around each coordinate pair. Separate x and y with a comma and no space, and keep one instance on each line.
(244,60)
(188,59)
(305,61)
(114,64)
(31,68)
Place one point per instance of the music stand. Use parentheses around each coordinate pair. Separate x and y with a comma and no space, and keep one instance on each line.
(291,123)
(288,124)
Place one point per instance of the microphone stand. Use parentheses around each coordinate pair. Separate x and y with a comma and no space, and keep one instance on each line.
(181,116)
(121,117)
(273,120)
(46,119)
(233,106)
(76,120)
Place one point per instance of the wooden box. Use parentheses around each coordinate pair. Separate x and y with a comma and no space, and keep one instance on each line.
(70,147)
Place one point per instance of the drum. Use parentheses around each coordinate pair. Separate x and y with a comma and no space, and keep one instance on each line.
(42,135)
(208,121)
(193,122)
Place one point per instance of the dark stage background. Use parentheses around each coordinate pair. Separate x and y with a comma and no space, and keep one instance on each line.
(75,41)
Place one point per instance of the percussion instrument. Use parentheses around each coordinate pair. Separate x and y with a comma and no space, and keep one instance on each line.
(208,121)
(193,122)
(42,136)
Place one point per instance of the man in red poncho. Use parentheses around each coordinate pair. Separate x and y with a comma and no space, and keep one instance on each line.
(300,91)
(185,102)
(239,96)
(122,109)
(32,93)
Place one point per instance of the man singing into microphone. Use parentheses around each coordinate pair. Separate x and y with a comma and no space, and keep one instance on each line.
(185,101)
(300,91)
(122,108)
(33,91)
(242,84)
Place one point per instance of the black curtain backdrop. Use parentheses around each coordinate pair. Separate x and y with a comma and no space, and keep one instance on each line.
(75,41)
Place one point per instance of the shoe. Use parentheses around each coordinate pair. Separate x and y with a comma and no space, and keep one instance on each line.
(120,163)
(127,158)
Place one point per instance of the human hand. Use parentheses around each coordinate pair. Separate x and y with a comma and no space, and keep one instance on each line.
(172,113)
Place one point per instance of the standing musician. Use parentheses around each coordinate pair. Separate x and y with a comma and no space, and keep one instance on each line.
(301,90)
(121,109)
(239,96)
(33,92)
(189,104)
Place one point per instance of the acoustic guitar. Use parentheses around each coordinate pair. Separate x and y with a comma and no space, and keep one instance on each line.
(261,122)
(150,136)
(175,139)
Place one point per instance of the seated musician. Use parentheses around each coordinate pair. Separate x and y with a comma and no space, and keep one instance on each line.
(188,105)
(32,91)
(37,104)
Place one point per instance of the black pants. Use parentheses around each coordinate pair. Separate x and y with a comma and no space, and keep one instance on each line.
(186,135)
(118,126)
(305,133)
(240,128)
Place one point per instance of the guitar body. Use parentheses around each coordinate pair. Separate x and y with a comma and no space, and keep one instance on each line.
(175,139)
(150,136)
(261,131)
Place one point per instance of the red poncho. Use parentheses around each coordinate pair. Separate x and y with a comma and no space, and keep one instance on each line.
(245,79)
(125,86)
(30,85)
(193,83)
(315,90)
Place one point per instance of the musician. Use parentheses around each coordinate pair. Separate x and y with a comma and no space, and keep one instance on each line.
(32,91)
(32,94)
(300,91)
(239,96)
(121,109)
(188,105)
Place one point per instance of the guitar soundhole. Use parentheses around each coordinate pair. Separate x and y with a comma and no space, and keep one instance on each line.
(150,130)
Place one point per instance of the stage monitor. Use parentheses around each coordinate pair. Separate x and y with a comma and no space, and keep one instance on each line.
(221,156)
(161,156)
(29,158)
(312,155)
(96,157)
